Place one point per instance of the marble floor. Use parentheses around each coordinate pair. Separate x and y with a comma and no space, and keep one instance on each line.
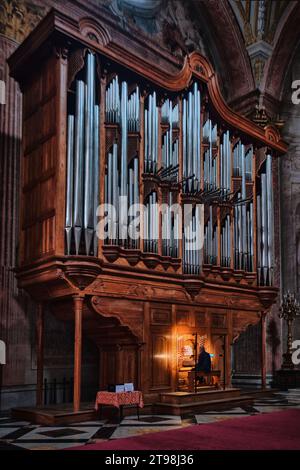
(23,435)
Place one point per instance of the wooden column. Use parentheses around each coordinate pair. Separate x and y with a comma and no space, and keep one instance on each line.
(39,355)
(263,351)
(78,306)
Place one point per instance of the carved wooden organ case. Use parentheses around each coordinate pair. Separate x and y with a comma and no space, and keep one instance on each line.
(106,118)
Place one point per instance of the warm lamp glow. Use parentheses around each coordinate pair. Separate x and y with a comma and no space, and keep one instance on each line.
(187,350)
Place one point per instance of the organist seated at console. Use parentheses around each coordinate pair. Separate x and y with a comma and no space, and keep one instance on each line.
(203,364)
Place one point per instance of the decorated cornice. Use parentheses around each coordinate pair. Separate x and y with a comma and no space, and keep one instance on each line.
(89,33)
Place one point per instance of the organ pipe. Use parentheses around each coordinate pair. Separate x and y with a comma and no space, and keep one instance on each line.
(70,177)
(78,163)
(191,140)
(82,165)
(122,176)
(151,135)
(89,152)
(265,215)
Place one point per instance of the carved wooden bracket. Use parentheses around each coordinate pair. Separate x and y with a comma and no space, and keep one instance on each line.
(81,274)
(128,317)
(267,296)
(193,287)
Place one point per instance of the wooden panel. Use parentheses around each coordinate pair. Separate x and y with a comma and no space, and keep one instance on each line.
(107,365)
(218,320)
(161,366)
(39,163)
(200,318)
(161,315)
(127,366)
(184,316)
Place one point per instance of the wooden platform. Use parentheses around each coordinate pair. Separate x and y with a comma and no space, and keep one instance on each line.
(181,403)
(176,403)
(55,415)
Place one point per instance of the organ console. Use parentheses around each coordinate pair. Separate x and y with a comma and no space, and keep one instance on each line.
(142,194)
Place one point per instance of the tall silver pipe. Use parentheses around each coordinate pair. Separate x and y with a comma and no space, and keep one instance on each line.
(228,240)
(240,234)
(198,135)
(269,215)
(124,130)
(109,178)
(70,176)
(109,185)
(251,236)
(136,180)
(154,127)
(194,136)
(96,173)
(130,185)
(264,222)
(189,137)
(236,241)
(115,190)
(229,162)
(210,154)
(146,150)
(184,149)
(259,250)
(89,148)
(78,163)
(150,132)
(243,207)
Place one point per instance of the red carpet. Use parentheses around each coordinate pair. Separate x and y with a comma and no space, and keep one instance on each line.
(270,431)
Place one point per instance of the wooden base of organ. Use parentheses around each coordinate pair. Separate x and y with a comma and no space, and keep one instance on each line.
(209,378)
(140,302)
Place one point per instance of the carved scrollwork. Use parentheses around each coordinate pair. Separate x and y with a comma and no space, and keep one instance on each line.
(130,317)
(272,134)
(94,31)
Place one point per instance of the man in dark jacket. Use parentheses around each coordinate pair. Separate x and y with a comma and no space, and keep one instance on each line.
(203,364)
(204,361)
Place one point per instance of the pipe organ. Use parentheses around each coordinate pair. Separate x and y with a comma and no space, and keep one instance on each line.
(147,204)
(216,169)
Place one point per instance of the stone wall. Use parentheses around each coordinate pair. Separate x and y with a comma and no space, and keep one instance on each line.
(290,191)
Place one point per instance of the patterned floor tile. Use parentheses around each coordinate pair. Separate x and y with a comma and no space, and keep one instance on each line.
(6,430)
(104,433)
(18,433)
(152,420)
(63,432)
(60,432)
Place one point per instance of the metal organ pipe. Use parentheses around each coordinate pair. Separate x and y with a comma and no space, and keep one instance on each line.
(151,135)
(259,250)
(265,238)
(191,139)
(269,216)
(243,209)
(96,172)
(78,164)
(89,153)
(83,165)
(70,176)
(264,228)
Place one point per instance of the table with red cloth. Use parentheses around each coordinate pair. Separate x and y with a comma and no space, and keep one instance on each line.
(120,399)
